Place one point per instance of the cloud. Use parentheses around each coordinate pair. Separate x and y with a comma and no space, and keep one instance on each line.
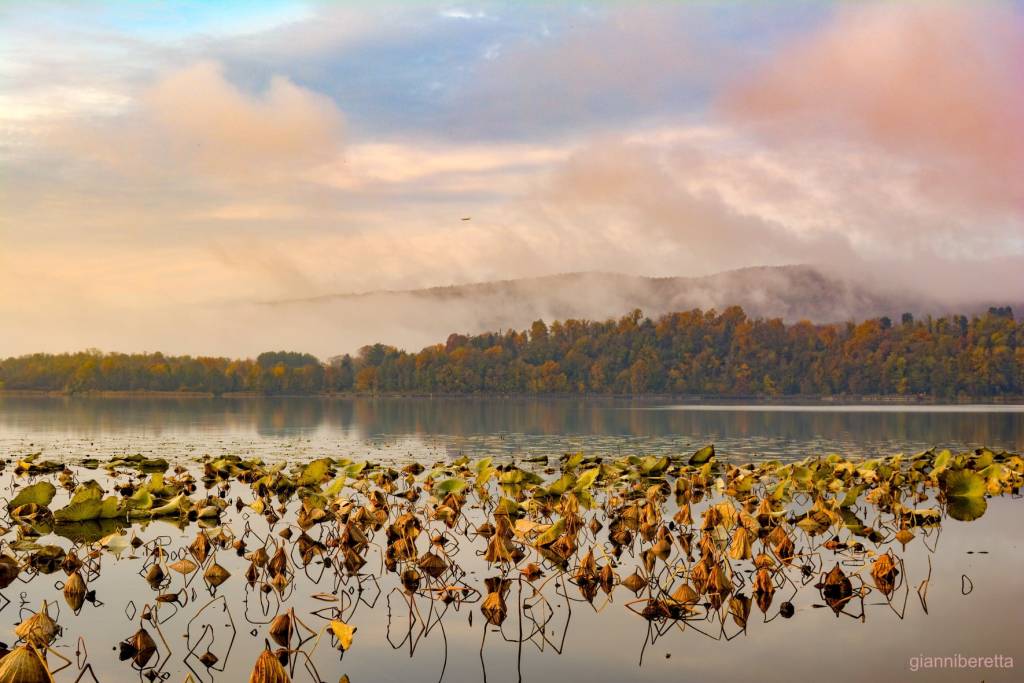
(937,83)
(195,121)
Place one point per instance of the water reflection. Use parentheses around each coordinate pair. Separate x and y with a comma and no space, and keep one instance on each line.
(505,426)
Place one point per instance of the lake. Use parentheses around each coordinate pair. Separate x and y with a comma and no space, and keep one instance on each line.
(955,594)
(400,427)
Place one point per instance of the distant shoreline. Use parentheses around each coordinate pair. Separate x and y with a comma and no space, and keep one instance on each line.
(682,399)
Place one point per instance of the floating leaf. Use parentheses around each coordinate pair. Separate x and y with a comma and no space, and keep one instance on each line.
(40,494)
(965,495)
(703,455)
(343,632)
(315,472)
(455,485)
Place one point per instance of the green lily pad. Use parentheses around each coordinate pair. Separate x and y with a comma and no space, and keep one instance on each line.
(39,494)
(703,455)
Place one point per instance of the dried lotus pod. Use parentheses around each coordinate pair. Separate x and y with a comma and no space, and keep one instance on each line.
(281,628)
(24,665)
(268,669)
(39,629)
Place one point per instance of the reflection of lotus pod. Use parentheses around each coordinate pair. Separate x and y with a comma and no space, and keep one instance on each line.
(144,645)
(279,562)
(708,545)
(635,582)
(685,594)
(259,556)
(353,560)
(183,566)
(431,564)
(24,665)
(606,578)
(684,517)
(740,547)
(9,570)
(39,629)
(719,583)
(739,607)
(200,547)
(216,575)
(564,547)
(497,550)
(47,559)
(280,629)
(531,572)
(279,582)
(836,589)
(884,572)
(621,536)
(700,573)
(904,536)
(494,608)
(155,574)
(587,570)
(782,545)
(71,563)
(712,518)
(763,581)
(74,591)
(268,669)
(411,580)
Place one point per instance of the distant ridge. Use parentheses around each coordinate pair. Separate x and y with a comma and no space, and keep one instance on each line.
(790,292)
(415,318)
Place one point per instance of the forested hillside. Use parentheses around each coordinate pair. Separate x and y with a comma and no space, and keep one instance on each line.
(696,353)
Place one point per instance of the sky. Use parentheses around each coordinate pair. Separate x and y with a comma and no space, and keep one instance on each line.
(168,167)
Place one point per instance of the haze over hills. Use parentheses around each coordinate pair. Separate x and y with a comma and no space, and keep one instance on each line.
(415,318)
(412,319)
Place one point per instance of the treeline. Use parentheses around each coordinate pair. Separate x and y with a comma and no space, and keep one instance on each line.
(695,352)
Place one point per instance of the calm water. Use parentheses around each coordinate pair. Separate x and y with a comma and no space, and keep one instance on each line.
(972,598)
(398,428)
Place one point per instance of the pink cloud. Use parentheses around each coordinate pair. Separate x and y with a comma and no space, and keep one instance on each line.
(938,83)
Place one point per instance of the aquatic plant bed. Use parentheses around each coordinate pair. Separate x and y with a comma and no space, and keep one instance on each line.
(131,568)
